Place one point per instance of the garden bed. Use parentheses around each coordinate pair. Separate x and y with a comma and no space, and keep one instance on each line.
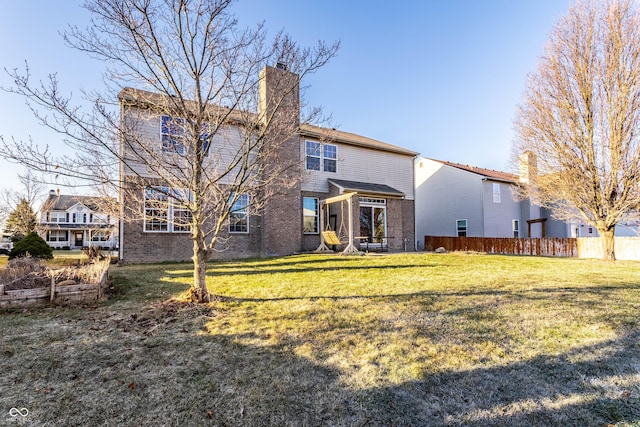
(26,283)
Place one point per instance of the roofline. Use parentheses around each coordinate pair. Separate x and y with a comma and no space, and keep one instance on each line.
(147,100)
(508,178)
(398,194)
(308,130)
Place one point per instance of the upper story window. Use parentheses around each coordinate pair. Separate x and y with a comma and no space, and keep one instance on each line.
(496,193)
(239,215)
(330,157)
(57,217)
(79,218)
(174,132)
(310,215)
(172,135)
(321,157)
(164,213)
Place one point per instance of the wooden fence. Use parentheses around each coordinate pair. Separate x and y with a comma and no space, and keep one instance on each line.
(556,247)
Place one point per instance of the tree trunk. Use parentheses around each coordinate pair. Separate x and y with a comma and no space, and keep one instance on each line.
(608,244)
(199,291)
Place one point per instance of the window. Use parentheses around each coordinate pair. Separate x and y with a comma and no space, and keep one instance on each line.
(321,156)
(58,217)
(461,226)
(99,219)
(164,213)
(172,133)
(57,236)
(100,236)
(496,193)
(330,157)
(156,210)
(239,215)
(313,155)
(310,214)
(181,215)
(516,228)
(372,201)
(79,218)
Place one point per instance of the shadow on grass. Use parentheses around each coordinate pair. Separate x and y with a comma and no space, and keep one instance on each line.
(180,374)
(542,391)
(294,264)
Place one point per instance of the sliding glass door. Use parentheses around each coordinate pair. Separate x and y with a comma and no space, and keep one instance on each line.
(373,220)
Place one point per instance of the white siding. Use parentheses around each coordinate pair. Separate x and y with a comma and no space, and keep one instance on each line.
(364,165)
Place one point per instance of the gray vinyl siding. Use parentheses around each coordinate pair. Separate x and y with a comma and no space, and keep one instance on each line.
(498,217)
(443,195)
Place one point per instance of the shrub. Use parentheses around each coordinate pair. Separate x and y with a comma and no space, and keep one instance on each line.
(33,245)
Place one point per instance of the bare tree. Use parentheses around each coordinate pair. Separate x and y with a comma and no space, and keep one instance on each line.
(580,118)
(187,62)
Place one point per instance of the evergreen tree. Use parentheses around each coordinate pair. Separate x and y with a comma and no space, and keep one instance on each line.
(21,221)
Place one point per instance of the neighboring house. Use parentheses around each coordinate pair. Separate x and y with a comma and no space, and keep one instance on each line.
(460,200)
(73,222)
(332,163)
(5,242)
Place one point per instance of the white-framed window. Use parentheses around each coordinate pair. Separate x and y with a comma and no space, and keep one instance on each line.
(496,192)
(172,135)
(330,157)
(461,227)
(181,214)
(99,218)
(515,225)
(100,236)
(57,236)
(163,213)
(57,217)
(321,157)
(310,215)
(372,201)
(79,218)
(239,215)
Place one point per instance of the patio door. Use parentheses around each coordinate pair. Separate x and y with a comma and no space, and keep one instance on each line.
(373,220)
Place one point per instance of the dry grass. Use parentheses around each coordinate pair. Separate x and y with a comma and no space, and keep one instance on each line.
(29,273)
(418,339)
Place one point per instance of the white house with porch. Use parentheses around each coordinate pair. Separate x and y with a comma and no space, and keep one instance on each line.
(74,222)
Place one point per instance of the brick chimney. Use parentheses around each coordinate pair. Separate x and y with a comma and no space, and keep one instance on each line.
(281,217)
(279,90)
(528,167)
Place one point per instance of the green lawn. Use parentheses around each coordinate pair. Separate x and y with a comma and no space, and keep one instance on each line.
(415,339)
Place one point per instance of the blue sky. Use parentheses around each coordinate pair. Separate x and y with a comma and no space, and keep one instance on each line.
(441,77)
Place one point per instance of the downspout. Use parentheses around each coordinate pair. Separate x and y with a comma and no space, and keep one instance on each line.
(415,207)
(121,193)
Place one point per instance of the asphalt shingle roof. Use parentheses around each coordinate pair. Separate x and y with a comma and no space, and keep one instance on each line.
(366,187)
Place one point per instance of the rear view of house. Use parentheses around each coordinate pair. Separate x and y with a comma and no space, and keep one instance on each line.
(330,162)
